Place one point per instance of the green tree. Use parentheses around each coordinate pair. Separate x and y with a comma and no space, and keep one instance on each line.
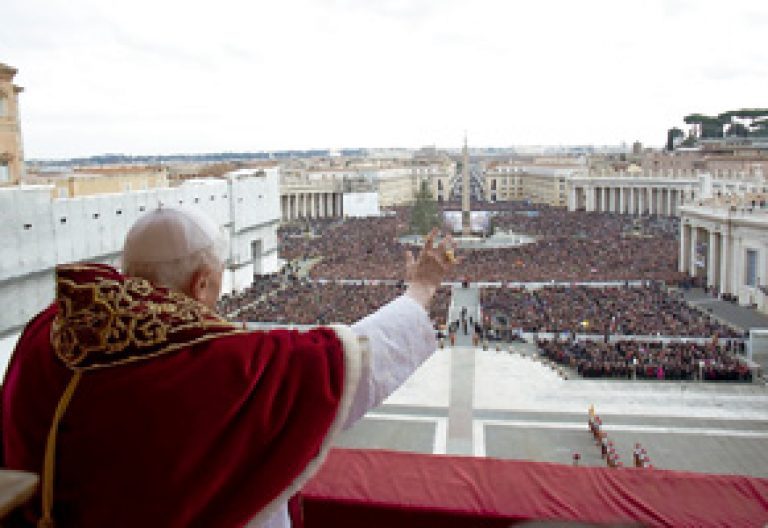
(425,214)
(708,127)
(672,134)
(759,128)
(738,130)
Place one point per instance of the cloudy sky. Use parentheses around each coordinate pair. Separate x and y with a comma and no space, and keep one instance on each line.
(167,76)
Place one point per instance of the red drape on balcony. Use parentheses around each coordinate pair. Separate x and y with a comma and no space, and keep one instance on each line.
(393,489)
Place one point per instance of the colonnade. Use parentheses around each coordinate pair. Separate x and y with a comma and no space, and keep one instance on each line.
(706,251)
(634,199)
(311,205)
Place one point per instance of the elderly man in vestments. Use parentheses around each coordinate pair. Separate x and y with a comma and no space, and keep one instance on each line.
(140,406)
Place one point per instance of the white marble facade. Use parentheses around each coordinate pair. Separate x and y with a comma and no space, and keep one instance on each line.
(38,232)
(728,246)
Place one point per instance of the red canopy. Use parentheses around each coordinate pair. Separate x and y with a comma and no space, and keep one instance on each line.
(385,489)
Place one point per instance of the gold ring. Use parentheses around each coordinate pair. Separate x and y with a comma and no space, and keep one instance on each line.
(449,256)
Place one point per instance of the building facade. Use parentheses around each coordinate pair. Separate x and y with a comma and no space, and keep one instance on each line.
(37,233)
(11,152)
(624,194)
(543,181)
(724,242)
(92,181)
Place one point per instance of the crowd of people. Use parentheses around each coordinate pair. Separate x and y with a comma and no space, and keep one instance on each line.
(310,303)
(624,310)
(549,222)
(648,360)
(260,286)
(314,303)
(569,246)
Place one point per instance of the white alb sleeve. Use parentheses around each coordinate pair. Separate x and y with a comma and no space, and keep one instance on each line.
(400,338)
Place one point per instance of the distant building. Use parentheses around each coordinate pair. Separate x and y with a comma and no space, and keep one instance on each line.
(663,181)
(11,152)
(540,180)
(90,181)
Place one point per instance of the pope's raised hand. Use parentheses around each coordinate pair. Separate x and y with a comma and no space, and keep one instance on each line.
(425,273)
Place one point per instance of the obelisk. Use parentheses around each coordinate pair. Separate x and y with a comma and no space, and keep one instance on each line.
(466,228)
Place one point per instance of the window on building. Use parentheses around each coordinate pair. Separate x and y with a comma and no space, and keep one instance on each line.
(750,276)
(3,105)
(5,171)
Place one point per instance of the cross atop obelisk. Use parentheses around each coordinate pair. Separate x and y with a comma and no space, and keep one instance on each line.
(466,228)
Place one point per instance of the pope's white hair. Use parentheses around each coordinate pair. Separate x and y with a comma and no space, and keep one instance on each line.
(175,274)
(155,240)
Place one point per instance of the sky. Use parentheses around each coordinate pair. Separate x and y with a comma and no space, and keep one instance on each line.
(183,76)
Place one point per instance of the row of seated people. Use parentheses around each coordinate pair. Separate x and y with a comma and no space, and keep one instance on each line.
(649,360)
(306,302)
(624,310)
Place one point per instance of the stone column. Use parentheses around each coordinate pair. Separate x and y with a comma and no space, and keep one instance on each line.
(669,203)
(685,248)
(641,201)
(632,198)
(572,201)
(650,196)
(590,198)
(713,260)
(694,242)
(671,199)
(725,257)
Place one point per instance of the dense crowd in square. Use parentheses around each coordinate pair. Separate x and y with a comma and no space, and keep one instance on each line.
(313,303)
(713,361)
(568,247)
(624,310)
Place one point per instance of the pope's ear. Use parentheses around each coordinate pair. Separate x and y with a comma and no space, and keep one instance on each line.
(198,284)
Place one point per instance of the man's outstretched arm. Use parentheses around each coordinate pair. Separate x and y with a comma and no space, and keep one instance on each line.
(400,334)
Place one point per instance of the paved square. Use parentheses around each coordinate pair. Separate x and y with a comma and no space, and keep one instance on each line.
(399,435)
